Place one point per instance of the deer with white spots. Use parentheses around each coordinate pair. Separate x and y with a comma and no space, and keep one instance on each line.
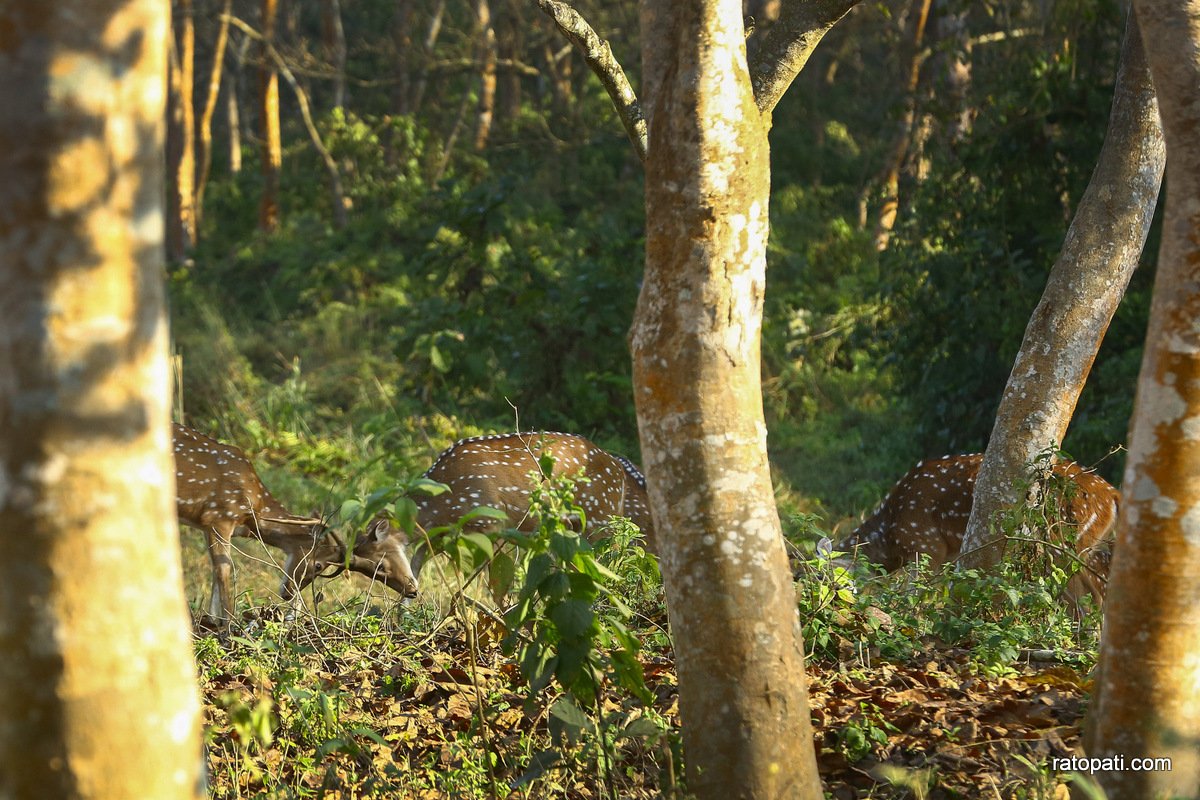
(927,510)
(218,492)
(498,471)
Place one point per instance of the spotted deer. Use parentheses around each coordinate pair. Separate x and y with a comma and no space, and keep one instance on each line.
(926,514)
(218,492)
(496,470)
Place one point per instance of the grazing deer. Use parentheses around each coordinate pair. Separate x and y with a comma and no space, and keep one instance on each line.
(496,471)
(926,513)
(218,492)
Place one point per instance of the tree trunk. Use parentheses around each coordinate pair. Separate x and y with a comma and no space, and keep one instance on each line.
(1147,704)
(696,342)
(510,46)
(204,133)
(1085,286)
(890,176)
(487,74)
(335,47)
(97,680)
(403,58)
(233,114)
(427,46)
(181,136)
(268,113)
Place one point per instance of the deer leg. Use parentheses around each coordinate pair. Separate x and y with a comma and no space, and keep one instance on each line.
(220,605)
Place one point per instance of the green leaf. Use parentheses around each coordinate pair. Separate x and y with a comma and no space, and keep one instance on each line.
(405,515)
(642,728)
(482,544)
(427,486)
(350,509)
(483,512)
(573,618)
(503,572)
(569,716)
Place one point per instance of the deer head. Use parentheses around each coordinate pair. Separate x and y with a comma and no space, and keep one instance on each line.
(219,492)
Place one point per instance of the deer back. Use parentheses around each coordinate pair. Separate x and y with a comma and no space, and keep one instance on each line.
(500,471)
(216,485)
(926,513)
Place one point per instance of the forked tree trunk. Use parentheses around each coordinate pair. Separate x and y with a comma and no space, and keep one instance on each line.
(181,136)
(695,341)
(1098,257)
(98,691)
(1146,701)
(268,117)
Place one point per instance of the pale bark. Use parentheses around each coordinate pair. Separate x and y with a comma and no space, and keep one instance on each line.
(268,120)
(696,343)
(97,681)
(181,136)
(1146,701)
(233,116)
(487,74)
(1085,286)
(204,132)
(604,64)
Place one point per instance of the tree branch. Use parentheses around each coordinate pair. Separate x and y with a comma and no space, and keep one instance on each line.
(338,196)
(788,44)
(600,58)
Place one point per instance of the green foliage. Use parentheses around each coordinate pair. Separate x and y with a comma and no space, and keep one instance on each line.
(867,732)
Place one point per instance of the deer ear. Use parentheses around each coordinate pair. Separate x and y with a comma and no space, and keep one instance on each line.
(379,529)
(825,547)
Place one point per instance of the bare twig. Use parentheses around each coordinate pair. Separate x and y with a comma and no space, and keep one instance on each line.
(600,58)
(335,178)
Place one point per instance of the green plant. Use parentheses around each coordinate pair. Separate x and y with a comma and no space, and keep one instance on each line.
(865,734)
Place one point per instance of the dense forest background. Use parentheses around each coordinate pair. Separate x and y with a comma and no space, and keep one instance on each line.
(487,269)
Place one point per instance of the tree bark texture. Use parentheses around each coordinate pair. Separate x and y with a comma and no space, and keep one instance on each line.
(487,74)
(1098,257)
(181,136)
(97,681)
(204,132)
(1147,703)
(335,47)
(233,116)
(696,342)
(268,120)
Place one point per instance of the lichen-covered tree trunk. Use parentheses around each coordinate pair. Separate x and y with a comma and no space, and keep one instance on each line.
(268,120)
(98,693)
(1147,703)
(695,341)
(1087,282)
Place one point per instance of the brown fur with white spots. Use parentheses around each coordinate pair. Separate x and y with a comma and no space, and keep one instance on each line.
(218,491)
(926,513)
(495,471)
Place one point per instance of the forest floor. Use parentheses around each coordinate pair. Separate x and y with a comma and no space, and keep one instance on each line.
(312,708)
